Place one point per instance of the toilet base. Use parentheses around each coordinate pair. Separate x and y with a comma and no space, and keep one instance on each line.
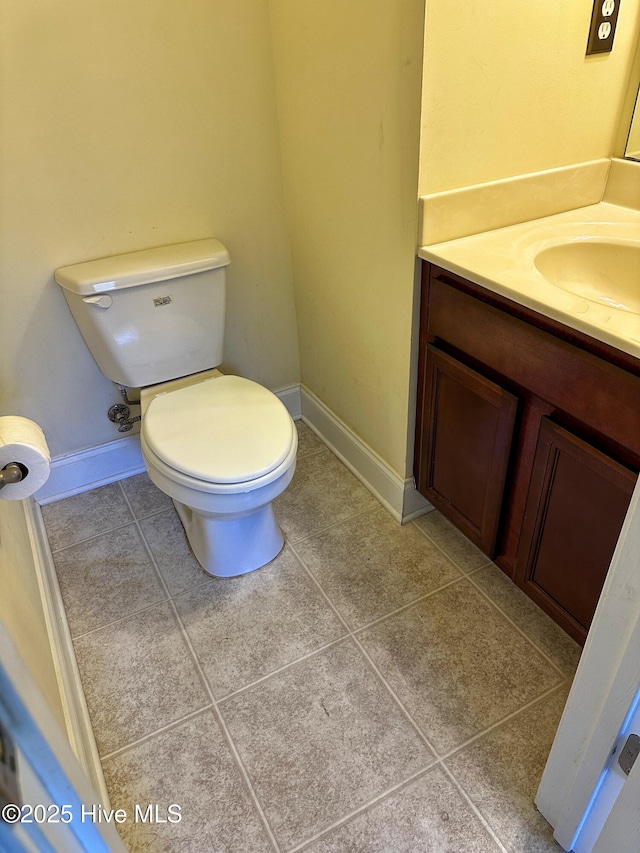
(228,546)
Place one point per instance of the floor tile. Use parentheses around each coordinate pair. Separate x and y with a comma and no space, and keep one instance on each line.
(318,731)
(189,765)
(106,578)
(144,496)
(320,739)
(137,676)
(456,664)
(540,628)
(371,565)
(446,536)
(428,815)
(501,772)
(168,543)
(243,628)
(308,441)
(81,516)
(323,491)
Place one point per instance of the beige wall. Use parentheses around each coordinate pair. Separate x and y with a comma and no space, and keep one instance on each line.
(132,124)
(348,79)
(509,90)
(128,124)
(20,604)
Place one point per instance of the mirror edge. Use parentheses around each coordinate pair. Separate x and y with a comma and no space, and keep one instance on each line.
(630,115)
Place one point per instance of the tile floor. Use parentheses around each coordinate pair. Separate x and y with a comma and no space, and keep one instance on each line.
(375,688)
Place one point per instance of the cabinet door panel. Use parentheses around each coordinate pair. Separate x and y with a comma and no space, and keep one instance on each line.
(575,507)
(466,444)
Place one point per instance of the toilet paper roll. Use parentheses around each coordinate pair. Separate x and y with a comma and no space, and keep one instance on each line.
(22,441)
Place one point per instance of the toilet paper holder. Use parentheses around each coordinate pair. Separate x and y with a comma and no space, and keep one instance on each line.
(14,472)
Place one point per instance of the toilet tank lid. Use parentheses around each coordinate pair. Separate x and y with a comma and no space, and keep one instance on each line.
(144,267)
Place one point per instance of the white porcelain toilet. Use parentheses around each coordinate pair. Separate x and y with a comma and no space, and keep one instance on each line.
(223,447)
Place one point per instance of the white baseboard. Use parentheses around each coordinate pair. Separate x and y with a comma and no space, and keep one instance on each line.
(79,731)
(88,469)
(398,495)
(290,396)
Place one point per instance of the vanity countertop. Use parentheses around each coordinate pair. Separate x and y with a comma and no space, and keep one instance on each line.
(504,261)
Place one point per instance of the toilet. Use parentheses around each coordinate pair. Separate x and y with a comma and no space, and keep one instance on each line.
(222,447)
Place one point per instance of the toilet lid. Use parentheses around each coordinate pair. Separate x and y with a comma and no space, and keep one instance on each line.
(222,430)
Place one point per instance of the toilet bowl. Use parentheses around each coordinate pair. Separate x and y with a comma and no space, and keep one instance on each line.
(223,448)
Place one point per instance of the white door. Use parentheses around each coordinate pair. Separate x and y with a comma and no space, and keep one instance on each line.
(47,804)
(578,794)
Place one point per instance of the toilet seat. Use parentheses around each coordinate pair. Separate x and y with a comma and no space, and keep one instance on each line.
(223,435)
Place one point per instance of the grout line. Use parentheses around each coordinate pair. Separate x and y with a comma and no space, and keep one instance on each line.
(332,525)
(480,568)
(522,633)
(398,702)
(156,570)
(102,532)
(423,771)
(121,619)
(283,668)
(549,692)
(361,809)
(372,665)
(150,735)
(247,780)
(214,705)
(443,550)
(323,449)
(474,808)
(400,609)
(106,530)
(486,595)
(233,748)
(326,597)
(168,595)
(354,632)
(414,776)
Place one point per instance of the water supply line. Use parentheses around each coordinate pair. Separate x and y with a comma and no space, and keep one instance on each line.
(120,413)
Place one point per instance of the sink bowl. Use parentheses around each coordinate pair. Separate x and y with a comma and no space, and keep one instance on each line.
(606,271)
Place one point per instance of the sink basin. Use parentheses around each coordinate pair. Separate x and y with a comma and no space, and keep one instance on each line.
(580,268)
(606,271)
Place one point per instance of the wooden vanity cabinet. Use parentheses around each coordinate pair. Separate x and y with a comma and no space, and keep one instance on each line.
(527,439)
(576,503)
(467,446)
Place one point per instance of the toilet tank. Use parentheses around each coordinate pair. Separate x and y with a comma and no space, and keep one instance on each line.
(154,315)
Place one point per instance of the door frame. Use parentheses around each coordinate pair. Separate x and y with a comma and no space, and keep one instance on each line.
(44,754)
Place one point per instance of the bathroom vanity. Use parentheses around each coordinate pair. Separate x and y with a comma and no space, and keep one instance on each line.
(528,427)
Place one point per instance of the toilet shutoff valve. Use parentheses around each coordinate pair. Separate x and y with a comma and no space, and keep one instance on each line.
(121,415)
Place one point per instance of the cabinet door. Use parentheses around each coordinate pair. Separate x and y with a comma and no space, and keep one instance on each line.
(466,440)
(575,507)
